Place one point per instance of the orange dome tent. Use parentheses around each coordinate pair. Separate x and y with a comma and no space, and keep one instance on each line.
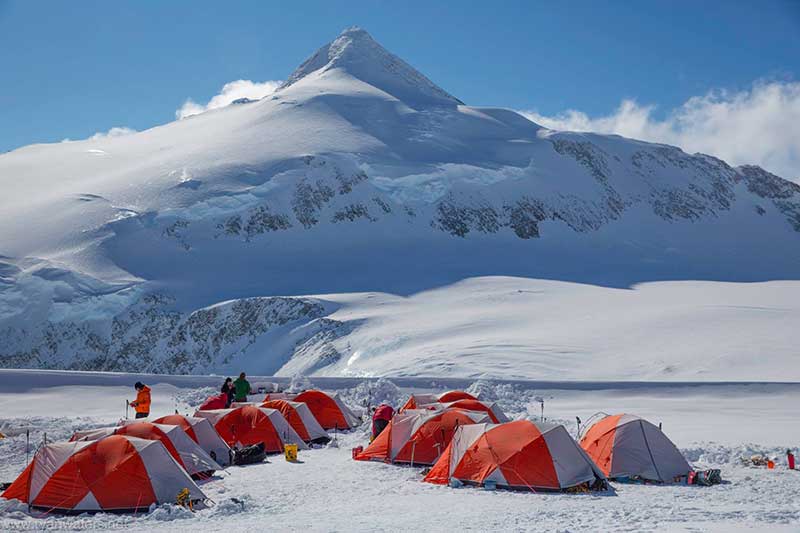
(115,474)
(245,426)
(516,455)
(626,446)
(416,400)
(183,449)
(300,418)
(492,409)
(328,409)
(203,433)
(418,436)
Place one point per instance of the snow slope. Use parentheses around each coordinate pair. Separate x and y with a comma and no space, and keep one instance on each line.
(713,424)
(169,249)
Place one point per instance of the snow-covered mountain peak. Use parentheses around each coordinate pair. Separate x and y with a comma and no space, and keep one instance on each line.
(357,54)
(184,248)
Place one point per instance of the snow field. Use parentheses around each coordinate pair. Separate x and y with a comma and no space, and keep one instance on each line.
(714,425)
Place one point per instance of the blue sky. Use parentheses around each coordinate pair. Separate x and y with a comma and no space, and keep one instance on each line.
(70,69)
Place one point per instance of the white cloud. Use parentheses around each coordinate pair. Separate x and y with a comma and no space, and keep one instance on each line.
(116,131)
(757,126)
(230,91)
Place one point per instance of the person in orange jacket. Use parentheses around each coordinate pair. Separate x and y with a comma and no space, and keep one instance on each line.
(142,402)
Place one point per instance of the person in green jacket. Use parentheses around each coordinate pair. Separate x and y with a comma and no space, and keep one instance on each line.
(241,388)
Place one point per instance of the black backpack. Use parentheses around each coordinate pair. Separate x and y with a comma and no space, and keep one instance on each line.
(249,454)
(708,477)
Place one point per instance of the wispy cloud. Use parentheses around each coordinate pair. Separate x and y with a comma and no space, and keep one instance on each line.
(116,131)
(230,92)
(760,125)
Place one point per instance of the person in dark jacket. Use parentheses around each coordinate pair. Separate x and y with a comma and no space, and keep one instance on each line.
(380,419)
(229,390)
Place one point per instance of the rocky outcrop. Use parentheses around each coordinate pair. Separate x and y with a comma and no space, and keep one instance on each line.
(784,194)
(151,337)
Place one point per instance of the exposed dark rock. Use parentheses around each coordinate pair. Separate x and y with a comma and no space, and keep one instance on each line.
(352,212)
(385,207)
(150,337)
(174,231)
(308,201)
(346,183)
(261,220)
(767,185)
(785,194)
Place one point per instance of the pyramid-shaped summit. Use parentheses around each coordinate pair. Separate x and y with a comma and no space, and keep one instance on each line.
(357,54)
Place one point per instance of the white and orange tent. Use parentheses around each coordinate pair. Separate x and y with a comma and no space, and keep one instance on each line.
(279,396)
(183,449)
(328,409)
(519,455)
(416,400)
(115,474)
(248,425)
(418,436)
(626,446)
(300,418)
(203,433)
(492,409)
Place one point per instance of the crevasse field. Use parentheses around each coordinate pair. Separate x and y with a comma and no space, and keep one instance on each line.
(713,424)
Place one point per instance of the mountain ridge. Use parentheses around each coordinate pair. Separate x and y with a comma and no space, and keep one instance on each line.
(359,174)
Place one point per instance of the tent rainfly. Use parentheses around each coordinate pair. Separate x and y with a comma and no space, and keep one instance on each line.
(626,446)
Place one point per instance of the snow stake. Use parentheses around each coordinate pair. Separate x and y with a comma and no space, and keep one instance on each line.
(541,404)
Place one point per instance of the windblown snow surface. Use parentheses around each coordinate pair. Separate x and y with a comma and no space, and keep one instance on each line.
(191,247)
(713,424)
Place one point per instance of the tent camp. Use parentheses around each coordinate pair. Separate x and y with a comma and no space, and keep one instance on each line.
(203,433)
(183,449)
(517,455)
(492,409)
(416,400)
(419,436)
(115,474)
(245,426)
(301,419)
(626,446)
(328,409)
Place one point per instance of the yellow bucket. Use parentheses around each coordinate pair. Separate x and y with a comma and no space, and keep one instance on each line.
(290,452)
